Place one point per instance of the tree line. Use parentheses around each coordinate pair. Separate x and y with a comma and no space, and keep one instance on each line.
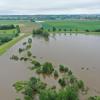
(7,27)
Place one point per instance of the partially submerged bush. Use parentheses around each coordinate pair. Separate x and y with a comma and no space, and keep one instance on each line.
(36,63)
(20,85)
(81,84)
(39,70)
(47,68)
(94,98)
(14,57)
(29,40)
(20,50)
(62,82)
(29,53)
(56,73)
(66,69)
(72,79)
(69,72)
(28,47)
(69,93)
(40,32)
(61,68)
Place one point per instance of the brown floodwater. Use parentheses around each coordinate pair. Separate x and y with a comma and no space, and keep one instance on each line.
(81,53)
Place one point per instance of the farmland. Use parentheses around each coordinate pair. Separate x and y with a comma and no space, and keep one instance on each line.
(72,25)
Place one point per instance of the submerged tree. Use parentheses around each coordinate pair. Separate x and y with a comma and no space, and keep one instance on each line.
(47,68)
(62,82)
(56,73)
(29,40)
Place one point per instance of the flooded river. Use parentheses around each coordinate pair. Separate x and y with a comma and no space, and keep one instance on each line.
(81,53)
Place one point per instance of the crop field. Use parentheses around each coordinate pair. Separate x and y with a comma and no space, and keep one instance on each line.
(74,25)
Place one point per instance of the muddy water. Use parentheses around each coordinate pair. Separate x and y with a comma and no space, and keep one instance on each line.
(76,51)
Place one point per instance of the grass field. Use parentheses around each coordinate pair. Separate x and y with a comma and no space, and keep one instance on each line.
(10,31)
(74,25)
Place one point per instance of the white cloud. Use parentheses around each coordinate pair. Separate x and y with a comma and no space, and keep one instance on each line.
(49,6)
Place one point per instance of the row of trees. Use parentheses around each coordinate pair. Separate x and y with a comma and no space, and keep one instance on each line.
(54,29)
(5,38)
(7,27)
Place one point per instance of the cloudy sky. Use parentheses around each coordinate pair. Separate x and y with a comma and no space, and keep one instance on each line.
(49,7)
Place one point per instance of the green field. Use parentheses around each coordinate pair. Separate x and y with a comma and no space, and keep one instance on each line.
(74,25)
(8,31)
